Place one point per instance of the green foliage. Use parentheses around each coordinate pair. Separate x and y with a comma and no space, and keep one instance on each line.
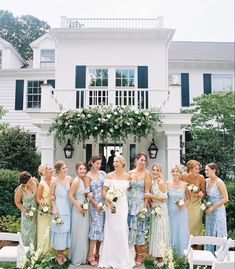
(213,132)
(9,224)
(8,183)
(17,151)
(21,31)
(7,265)
(105,122)
(230,209)
(2,113)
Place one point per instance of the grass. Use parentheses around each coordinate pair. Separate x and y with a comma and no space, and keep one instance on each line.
(7,265)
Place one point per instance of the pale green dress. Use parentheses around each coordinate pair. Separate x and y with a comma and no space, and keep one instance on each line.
(28,224)
(43,234)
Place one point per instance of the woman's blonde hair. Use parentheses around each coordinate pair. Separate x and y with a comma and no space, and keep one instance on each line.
(121,159)
(191,164)
(42,169)
(58,166)
(158,166)
(178,167)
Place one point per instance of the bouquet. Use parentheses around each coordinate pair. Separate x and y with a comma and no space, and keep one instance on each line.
(205,205)
(57,220)
(156,211)
(142,215)
(31,211)
(85,206)
(113,194)
(44,210)
(180,202)
(193,188)
(102,206)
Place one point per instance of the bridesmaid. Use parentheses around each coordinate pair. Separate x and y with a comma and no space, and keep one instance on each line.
(80,217)
(216,224)
(26,202)
(43,199)
(159,225)
(194,210)
(60,224)
(95,187)
(140,182)
(178,214)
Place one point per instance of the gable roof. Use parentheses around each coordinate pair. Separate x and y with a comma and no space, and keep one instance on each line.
(201,51)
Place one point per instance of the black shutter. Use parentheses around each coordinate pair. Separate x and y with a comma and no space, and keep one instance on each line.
(51,82)
(142,77)
(185,89)
(207,83)
(80,77)
(19,95)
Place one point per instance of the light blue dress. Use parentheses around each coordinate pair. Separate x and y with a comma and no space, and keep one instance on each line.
(97,218)
(137,227)
(60,233)
(79,229)
(216,224)
(178,221)
(160,234)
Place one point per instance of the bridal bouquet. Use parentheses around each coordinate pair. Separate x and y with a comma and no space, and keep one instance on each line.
(193,188)
(113,194)
(85,206)
(102,206)
(180,202)
(142,215)
(57,220)
(205,205)
(44,210)
(157,211)
(31,211)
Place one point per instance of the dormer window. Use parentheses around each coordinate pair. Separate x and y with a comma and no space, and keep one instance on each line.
(47,58)
(0,59)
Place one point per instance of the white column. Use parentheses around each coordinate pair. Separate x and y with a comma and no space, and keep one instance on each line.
(47,146)
(172,150)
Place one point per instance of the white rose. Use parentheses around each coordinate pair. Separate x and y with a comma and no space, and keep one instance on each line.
(45,209)
(85,206)
(30,213)
(108,116)
(190,187)
(142,216)
(195,188)
(181,202)
(139,124)
(158,210)
(95,128)
(208,204)
(111,130)
(203,207)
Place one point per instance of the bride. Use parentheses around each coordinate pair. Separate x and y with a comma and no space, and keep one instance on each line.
(115,250)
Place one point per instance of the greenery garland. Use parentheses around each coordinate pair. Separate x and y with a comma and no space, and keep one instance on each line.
(105,122)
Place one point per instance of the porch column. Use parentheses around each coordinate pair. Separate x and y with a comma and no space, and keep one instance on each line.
(172,150)
(47,146)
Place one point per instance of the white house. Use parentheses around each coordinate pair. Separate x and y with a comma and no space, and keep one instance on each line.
(86,62)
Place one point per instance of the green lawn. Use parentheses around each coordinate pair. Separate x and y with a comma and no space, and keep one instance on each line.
(7,265)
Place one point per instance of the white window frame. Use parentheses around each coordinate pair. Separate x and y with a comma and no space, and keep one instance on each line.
(36,95)
(128,78)
(221,76)
(174,79)
(102,78)
(49,60)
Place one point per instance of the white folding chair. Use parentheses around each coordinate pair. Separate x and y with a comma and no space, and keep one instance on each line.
(223,265)
(12,253)
(230,253)
(204,257)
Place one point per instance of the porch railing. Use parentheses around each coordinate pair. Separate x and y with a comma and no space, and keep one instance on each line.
(112,23)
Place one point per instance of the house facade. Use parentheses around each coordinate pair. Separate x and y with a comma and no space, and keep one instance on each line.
(115,62)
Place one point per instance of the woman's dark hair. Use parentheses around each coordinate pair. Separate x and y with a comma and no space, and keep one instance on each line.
(58,166)
(93,159)
(139,155)
(78,164)
(24,177)
(213,166)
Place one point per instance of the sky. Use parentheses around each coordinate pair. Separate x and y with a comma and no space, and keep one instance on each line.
(193,20)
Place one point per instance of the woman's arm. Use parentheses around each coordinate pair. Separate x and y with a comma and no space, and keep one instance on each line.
(163,188)
(18,200)
(223,190)
(39,193)
(147,187)
(72,191)
(187,196)
(52,199)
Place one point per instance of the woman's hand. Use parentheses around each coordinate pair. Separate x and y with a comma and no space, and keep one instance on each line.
(209,210)
(200,194)
(55,212)
(147,195)
(98,209)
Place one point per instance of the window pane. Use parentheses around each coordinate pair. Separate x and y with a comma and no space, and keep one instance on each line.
(221,83)
(105,82)
(131,83)
(131,73)
(118,82)
(98,82)
(118,73)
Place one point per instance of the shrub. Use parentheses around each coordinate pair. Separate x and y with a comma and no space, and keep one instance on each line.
(230,209)
(8,184)
(10,224)
(17,151)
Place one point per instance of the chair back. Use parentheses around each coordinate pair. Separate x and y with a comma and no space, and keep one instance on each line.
(10,236)
(223,265)
(207,240)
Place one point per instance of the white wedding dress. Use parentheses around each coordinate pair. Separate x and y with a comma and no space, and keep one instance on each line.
(115,249)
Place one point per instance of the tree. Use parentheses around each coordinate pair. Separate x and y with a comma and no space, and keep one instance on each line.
(17,151)
(21,31)
(212,132)
(2,113)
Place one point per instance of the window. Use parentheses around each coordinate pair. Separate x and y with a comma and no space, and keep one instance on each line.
(47,58)
(174,79)
(125,78)
(0,59)
(34,94)
(98,77)
(222,83)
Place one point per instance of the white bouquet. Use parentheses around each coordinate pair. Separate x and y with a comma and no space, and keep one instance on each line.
(180,202)
(44,209)
(85,206)
(193,188)
(205,205)
(157,211)
(31,211)
(102,206)
(142,215)
(114,193)
(57,220)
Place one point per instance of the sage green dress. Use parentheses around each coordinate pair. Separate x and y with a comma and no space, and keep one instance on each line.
(29,224)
